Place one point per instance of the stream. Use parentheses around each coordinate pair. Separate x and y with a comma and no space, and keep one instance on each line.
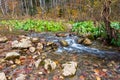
(74,47)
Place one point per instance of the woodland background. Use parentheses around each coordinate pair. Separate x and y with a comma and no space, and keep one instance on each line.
(75,10)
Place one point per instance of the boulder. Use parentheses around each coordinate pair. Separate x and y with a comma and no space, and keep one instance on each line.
(3,39)
(64,43)
(69,68)
(23,43)
(87,41)
(12,55)
(49,64)
(2,76)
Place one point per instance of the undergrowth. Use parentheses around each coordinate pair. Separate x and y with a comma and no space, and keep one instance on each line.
(87,27)
(35,25)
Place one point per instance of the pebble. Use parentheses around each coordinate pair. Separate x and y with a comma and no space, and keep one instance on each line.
(37,63)
(49,64)
(32,49)
(17,61)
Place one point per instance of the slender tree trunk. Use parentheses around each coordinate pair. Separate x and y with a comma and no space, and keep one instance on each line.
(1,7)
(106,18)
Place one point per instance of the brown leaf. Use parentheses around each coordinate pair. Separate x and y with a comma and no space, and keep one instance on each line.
(97,71)
(82,77)
(1,67)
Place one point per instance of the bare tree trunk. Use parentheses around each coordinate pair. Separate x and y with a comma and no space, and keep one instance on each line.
(6,7)
(26,8)
(1,7)
(106,18)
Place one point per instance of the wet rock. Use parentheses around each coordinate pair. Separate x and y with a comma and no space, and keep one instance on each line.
(90,36)
(55,46)
(80,40)
(34,40)
(87,41)
(23,43)
(21,77)
(49,43)
(37,63)
(3,39)
(49,64)
(12,55)
(22,36)
(64,43)
(61,34)
(32,49)
(2,76)
(69,68)
(43,41)
(39,46)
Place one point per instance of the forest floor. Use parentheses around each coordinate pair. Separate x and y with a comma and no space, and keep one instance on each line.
(30,63)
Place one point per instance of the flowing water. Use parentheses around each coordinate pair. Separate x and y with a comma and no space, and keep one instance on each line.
(74,47)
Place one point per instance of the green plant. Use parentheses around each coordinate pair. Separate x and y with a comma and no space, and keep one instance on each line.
(84,27)
(35,25)
(116,26)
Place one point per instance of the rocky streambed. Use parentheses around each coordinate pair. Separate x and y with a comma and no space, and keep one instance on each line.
(55,56)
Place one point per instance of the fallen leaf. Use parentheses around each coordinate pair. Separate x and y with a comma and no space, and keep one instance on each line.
(97,71)
(1,67)
(82,77)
